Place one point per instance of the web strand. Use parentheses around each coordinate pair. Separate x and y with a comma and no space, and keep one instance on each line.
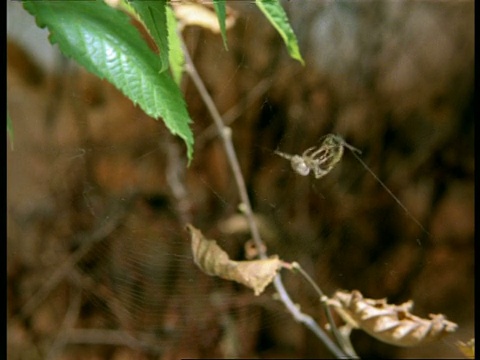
(410,215)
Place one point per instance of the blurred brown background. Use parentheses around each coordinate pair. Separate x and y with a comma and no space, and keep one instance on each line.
(98,194)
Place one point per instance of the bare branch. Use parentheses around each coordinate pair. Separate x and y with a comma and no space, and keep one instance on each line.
(226,135)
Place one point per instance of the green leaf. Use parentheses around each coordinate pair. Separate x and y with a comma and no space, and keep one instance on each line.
(10,130)
(152,14)
(103,40)
(219,6)
(175,56)
(278,18)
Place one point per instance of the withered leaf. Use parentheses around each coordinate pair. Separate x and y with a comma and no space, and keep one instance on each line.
(393,324)
(468,348)
(209,257)
(192,14)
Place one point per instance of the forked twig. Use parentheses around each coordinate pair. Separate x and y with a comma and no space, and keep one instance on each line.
(99,234)
(106,337)
(226,135)
(67,324)
(235,111)
(341,338)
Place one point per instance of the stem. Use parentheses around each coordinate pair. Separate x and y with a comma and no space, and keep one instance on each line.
(307,320)
(323,300)
(226,135)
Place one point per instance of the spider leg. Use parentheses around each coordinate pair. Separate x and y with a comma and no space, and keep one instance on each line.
(309,151)
(321,150)
(319,173)
(284,155)
(321,155)
(313,151)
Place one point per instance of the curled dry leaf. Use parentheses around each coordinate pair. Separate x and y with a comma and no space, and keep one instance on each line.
(389,323)
(256,274)
(468,348)
(200,15)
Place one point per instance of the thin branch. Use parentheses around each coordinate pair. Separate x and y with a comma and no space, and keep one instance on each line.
(67,324)
(175,174)
(226,135)
(104,293)
(235,111)
(107,337)
(115,217)
(341,339)
(70,335)
(307,320)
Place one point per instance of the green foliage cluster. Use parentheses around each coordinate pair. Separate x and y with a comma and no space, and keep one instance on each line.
(104,40)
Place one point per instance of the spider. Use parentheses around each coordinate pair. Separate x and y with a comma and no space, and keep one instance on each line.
(322,159)
(319,159)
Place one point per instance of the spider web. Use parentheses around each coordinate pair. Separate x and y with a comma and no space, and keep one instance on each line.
(98,206)
(126,249)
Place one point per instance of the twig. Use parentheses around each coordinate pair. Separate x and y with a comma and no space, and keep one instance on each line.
(175,174)
(340,338)
(67,324)
(107,337)
(226,135)
(307,320)
(103,292)
(63,270)
(148,342)
(234,112)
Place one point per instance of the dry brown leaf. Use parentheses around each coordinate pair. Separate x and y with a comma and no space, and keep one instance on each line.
(200,15)
(256,274)
(389,323)
(468,348)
